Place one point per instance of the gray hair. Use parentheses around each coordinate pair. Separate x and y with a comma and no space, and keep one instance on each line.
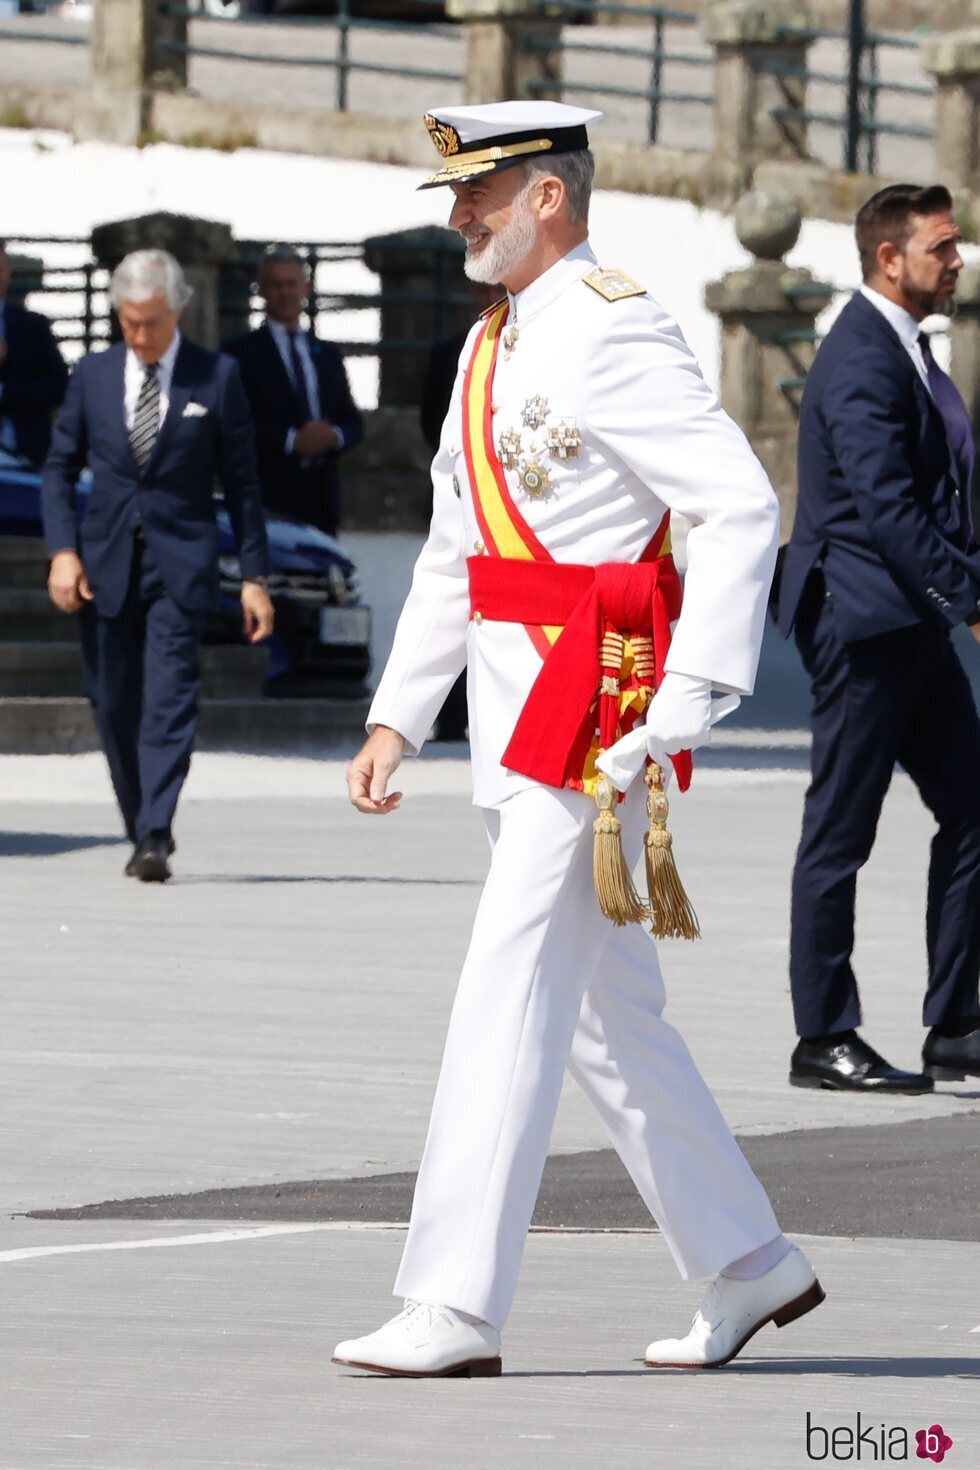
(576,171)
(283,255)
(143,273)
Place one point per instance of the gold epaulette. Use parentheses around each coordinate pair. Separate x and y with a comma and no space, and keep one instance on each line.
(613,285)
(489,310)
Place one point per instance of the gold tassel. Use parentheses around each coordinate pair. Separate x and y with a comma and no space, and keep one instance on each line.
(614,884)
(670,908)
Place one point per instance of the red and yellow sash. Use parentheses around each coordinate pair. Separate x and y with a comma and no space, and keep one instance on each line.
(631,656)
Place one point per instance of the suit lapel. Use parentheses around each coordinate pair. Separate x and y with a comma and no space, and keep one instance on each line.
(927,404)
(115,369)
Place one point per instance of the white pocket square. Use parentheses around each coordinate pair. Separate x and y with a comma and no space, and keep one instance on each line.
(194,411)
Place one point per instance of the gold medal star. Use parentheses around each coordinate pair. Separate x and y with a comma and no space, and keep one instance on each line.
(535,411)
(564,441)
(535,479)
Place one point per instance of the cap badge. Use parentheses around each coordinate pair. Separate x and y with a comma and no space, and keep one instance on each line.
(535,411)
(443,136)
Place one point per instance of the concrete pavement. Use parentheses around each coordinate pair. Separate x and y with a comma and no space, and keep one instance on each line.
(276,1014)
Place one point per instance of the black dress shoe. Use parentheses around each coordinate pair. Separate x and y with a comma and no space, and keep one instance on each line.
(846,1063)
(951,1058)
(149,861)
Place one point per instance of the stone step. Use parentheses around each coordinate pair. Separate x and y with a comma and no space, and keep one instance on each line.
(23,562)
(27,614)
(273,726)
(47,670)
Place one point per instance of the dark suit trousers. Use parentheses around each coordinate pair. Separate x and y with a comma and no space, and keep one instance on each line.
(142,673)
(900,696)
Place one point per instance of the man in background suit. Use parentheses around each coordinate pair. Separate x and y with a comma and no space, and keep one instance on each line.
(882,564)
(156,418)
(297,386)
(32,375)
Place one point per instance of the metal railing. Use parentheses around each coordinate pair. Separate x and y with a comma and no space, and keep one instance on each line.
(64,282)
(42,10)
(67,285)
(863,88)
(344,23)
(658,55)
(238,304)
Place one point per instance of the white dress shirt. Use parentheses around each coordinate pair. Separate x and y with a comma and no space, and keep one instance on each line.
(133,380)
(905,325)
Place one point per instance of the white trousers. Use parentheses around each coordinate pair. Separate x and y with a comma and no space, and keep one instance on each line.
(547,982)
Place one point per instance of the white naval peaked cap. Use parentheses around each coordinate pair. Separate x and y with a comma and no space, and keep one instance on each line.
(495,135)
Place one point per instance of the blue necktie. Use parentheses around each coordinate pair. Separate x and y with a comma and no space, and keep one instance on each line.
(959,430)
(299,377)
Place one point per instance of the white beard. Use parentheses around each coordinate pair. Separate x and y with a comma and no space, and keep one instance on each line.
(505,250)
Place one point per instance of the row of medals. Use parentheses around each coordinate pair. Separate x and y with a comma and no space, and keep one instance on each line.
(562,443)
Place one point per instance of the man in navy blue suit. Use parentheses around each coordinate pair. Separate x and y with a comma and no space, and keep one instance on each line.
(33,375)
(883,563)
(297,386)
(157,419)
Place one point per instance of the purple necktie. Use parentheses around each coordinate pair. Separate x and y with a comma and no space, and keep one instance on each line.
(959,430)
(299,377)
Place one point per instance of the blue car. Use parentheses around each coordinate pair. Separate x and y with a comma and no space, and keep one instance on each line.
(322,642)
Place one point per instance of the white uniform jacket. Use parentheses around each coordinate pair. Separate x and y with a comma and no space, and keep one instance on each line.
(652,437)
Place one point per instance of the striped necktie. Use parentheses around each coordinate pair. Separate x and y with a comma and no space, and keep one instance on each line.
(146,419)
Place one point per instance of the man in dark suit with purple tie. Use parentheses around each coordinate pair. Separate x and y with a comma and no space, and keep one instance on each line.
(305,417)
(882,564)
(157,419)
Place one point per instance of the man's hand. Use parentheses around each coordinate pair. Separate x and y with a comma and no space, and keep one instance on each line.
(68,585)
(372,768)
(975,630)
(315,437)
(258,614)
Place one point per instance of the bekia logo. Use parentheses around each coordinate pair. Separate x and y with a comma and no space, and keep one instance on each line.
(869,1441)
(933,1443)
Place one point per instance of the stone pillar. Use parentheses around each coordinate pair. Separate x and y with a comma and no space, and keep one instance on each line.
(424,297)
(511,49)
(767,311)
(954,60)
(964,334)
(127,62)
(202,246)
(749,39)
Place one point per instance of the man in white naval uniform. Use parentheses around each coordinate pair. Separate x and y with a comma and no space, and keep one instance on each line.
(594,424)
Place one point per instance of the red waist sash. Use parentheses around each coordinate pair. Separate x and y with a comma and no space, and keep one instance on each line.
(557,722)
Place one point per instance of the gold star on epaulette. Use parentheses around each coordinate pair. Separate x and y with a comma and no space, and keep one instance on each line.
(613,285)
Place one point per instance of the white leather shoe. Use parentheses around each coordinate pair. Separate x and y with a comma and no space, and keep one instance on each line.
(732,1311)
(425,1341)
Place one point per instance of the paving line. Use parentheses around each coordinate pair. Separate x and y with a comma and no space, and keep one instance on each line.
(210,1237)
(263,1232)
